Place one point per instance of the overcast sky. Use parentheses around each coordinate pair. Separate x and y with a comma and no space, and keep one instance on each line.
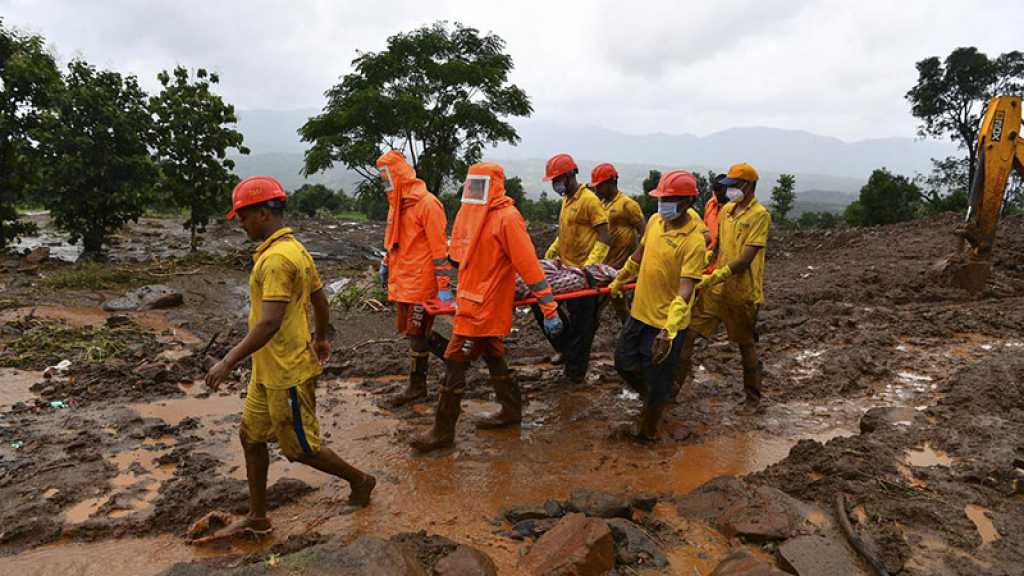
(838,68)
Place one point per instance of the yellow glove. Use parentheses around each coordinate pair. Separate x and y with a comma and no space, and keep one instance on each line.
(628,272)
(552,251)
(597,254)
(678,317)
(716,277)
(708,257)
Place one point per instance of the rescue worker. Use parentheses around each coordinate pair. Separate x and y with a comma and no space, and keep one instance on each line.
(415,268)
(280,404)
(742,237)
(667,266)
(583,239)
(712,210)
(625,223)
(489,246)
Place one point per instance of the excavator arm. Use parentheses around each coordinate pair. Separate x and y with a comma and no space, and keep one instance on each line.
(1000,150)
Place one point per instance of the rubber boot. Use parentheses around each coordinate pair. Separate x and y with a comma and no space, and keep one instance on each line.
(683,372)
(508,394)
(449,406)
(416,388)
(752,383)
(647,427)
(437,344)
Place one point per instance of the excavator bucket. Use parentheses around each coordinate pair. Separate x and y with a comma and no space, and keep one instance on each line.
(999,152)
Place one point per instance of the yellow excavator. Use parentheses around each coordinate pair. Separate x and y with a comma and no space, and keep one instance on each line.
(1000,150)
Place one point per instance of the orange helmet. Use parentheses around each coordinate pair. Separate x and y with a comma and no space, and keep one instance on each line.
(559,164)
(602,172)
(675,183)
(255,190)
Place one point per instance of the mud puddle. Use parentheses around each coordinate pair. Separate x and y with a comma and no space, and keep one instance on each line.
(93,316)
(981,519)
(14,386)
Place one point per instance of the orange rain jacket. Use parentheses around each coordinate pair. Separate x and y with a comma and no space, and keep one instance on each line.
(417,248)
(712,209)
(490,245)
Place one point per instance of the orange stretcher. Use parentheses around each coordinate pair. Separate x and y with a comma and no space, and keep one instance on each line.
(435,307)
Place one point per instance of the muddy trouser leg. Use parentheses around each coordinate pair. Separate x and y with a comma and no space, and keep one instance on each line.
(437,344)
(684,365)
(660,381)
(416,388)
(558,342)
(630,356)
(506,392)
(579,336)
(752,371)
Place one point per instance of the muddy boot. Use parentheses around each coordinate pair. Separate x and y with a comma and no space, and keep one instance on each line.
(683,372)
(647,427)
(508,394)
(416,389)
(437,344)
(449,406)
(752,384)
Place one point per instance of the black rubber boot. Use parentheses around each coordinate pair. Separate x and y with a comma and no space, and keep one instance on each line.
(449,406)
(416,388)
(509,395)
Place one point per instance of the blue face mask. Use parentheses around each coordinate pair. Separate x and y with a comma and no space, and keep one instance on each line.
(669,210)
(560,187)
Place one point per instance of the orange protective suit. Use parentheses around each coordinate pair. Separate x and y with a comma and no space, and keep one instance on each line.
(417,249)
(490,245)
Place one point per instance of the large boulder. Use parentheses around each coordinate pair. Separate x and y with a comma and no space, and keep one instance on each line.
(818,556)
(759,513)
(576,546)
(634,546)
(742,563)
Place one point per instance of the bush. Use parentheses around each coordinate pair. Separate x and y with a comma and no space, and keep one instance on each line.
(818,220)
(887,198)
(311,198)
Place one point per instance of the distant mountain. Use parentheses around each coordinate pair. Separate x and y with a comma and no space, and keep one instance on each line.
(829,171)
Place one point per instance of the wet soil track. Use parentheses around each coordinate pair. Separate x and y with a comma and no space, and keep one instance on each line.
(855,319)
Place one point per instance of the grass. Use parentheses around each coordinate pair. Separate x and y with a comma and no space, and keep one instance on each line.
(354,297)
(45,342)
(94,276)
(357,216)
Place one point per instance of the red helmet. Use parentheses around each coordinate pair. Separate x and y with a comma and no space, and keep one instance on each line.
(602,172)
(675,183)
(559,164)
(255,190)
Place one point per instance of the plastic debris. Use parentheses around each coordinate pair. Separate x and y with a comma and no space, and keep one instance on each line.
(58,404)
(17,445)
(59,368)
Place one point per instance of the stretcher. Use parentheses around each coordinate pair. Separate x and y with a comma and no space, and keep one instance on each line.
(435,307)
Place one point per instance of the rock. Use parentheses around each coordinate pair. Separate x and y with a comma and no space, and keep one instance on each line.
(599,504)
(742,563)
(517,514)
(151,371)
(645,502)
(576,546)
(37,255)
(554,509)
(146,298)
(115,320)
(529,528)
(466,561)
(880,416)
(634,546)
(817,556)
(758,513)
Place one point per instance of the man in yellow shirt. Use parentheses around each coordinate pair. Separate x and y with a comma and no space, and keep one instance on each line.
(280,404)
(625,223)
(668,267)
(734,292)
(582,240)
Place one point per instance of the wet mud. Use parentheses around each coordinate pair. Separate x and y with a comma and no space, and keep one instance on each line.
(882,385)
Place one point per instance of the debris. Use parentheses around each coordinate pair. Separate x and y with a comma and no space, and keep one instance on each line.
(150,297)
(599,504)
(742,563)
(58,404)
(59,368)
(336,286)
(17,444)
(37,255)
(634,546)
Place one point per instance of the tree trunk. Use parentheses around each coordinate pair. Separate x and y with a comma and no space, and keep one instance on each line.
(194,244)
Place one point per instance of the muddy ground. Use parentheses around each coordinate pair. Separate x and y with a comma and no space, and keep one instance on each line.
(105,464)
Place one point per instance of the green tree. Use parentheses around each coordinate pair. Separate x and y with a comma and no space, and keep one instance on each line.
(371,200)
(950,96)
(648,204)
(783,196)
(818,220)
(514,190)
(101,173)
(945,189)
(440,93)
(29,83)
(887,198)
(853,214)
(191,138)
(311,198)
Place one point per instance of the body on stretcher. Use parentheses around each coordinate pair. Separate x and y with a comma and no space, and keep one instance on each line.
(435,307)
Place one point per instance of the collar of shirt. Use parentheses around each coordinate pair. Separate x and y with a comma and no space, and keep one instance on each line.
(732,208)
(576,195)
(682,230)
(615,198)
(281,232)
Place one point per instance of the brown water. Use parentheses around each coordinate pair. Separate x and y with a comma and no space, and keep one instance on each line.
(927,456)
(82,316)
(15,384)
(981,519)
(456,493)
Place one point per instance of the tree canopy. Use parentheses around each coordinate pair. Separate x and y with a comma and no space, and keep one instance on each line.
(783,197)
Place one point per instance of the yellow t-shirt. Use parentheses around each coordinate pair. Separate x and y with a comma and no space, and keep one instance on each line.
(624,219)
(284,272)
(576,222)
(750,228)
(668,256)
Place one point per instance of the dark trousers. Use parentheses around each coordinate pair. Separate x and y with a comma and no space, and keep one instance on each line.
(579,316)
(634,362)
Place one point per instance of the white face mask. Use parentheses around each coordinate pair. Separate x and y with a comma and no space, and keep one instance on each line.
(669,210)
(734,194)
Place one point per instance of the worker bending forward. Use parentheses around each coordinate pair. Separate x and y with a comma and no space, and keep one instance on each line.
(415,268)
(667,266)
(582,240)
(734,292)
(489,246)
(280,404)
